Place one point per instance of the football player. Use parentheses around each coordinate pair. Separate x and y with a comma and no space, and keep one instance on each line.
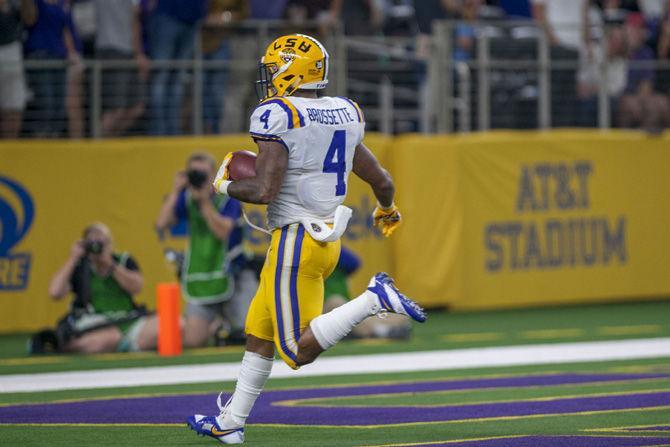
(307,147)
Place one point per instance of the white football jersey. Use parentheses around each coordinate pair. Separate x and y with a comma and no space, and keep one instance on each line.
(320,136)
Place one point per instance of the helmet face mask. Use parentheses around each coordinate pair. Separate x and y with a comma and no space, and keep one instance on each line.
(264,87)
(290,63)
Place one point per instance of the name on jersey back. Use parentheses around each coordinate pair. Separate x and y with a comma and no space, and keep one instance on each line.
(330,116)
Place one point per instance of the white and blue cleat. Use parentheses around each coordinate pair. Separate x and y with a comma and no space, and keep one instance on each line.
(391,300)
(208,426)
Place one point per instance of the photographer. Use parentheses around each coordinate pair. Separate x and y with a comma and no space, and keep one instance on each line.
(103,317)
(214,279)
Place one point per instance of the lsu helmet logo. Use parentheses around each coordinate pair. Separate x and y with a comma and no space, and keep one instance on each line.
(287,55)
(16,216)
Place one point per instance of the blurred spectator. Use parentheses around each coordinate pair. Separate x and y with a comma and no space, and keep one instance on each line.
(664,38)
(214,279)
(50,38)
(603,68)
(13,15)
(615,11)
(119,37)
(641,106)
(74,98)
(103,316)
(267,9)
(301,10)
(147,8)
(320,11)
(240,97)
(464,38)
(563,21)
(83,17)
(663,74)
(359,17)
(336,293)
(452,8)
(428,11)
(173,28)
(652,9)
(654,14)
(399,18)
(565,24)
(222,17)
(516,9)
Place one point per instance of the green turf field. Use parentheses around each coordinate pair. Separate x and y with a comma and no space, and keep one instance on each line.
(608,403)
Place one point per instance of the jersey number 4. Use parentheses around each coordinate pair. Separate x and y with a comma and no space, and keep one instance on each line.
(264,118)
(336,162)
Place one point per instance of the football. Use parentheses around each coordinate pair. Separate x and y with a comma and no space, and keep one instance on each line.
(242,165)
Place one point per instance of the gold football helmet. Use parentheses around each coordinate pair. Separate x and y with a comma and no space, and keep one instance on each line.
(292,62)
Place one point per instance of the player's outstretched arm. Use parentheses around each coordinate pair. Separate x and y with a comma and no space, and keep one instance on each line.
(368,168)
(271,165)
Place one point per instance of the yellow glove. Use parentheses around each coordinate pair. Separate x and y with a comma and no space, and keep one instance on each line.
(387,219)
(222,175)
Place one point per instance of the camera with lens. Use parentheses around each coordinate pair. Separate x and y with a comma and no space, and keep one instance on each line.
(197,178)
(93,247)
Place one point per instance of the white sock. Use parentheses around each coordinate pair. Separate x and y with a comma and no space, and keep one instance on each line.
(332,327)
(253,374)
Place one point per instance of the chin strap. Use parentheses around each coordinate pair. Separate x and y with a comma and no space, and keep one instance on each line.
(282,69)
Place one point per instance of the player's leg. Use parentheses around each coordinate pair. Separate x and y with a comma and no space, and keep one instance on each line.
(276,315)
(255,369)
(228,426)
(302,266)
(302,332)
(256,364)
(298,287)
(393,326)
(326,330)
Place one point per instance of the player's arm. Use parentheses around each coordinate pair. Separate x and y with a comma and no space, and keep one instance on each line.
(271,165)
(367,167)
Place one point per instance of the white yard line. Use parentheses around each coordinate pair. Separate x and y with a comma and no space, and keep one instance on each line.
(377,363)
